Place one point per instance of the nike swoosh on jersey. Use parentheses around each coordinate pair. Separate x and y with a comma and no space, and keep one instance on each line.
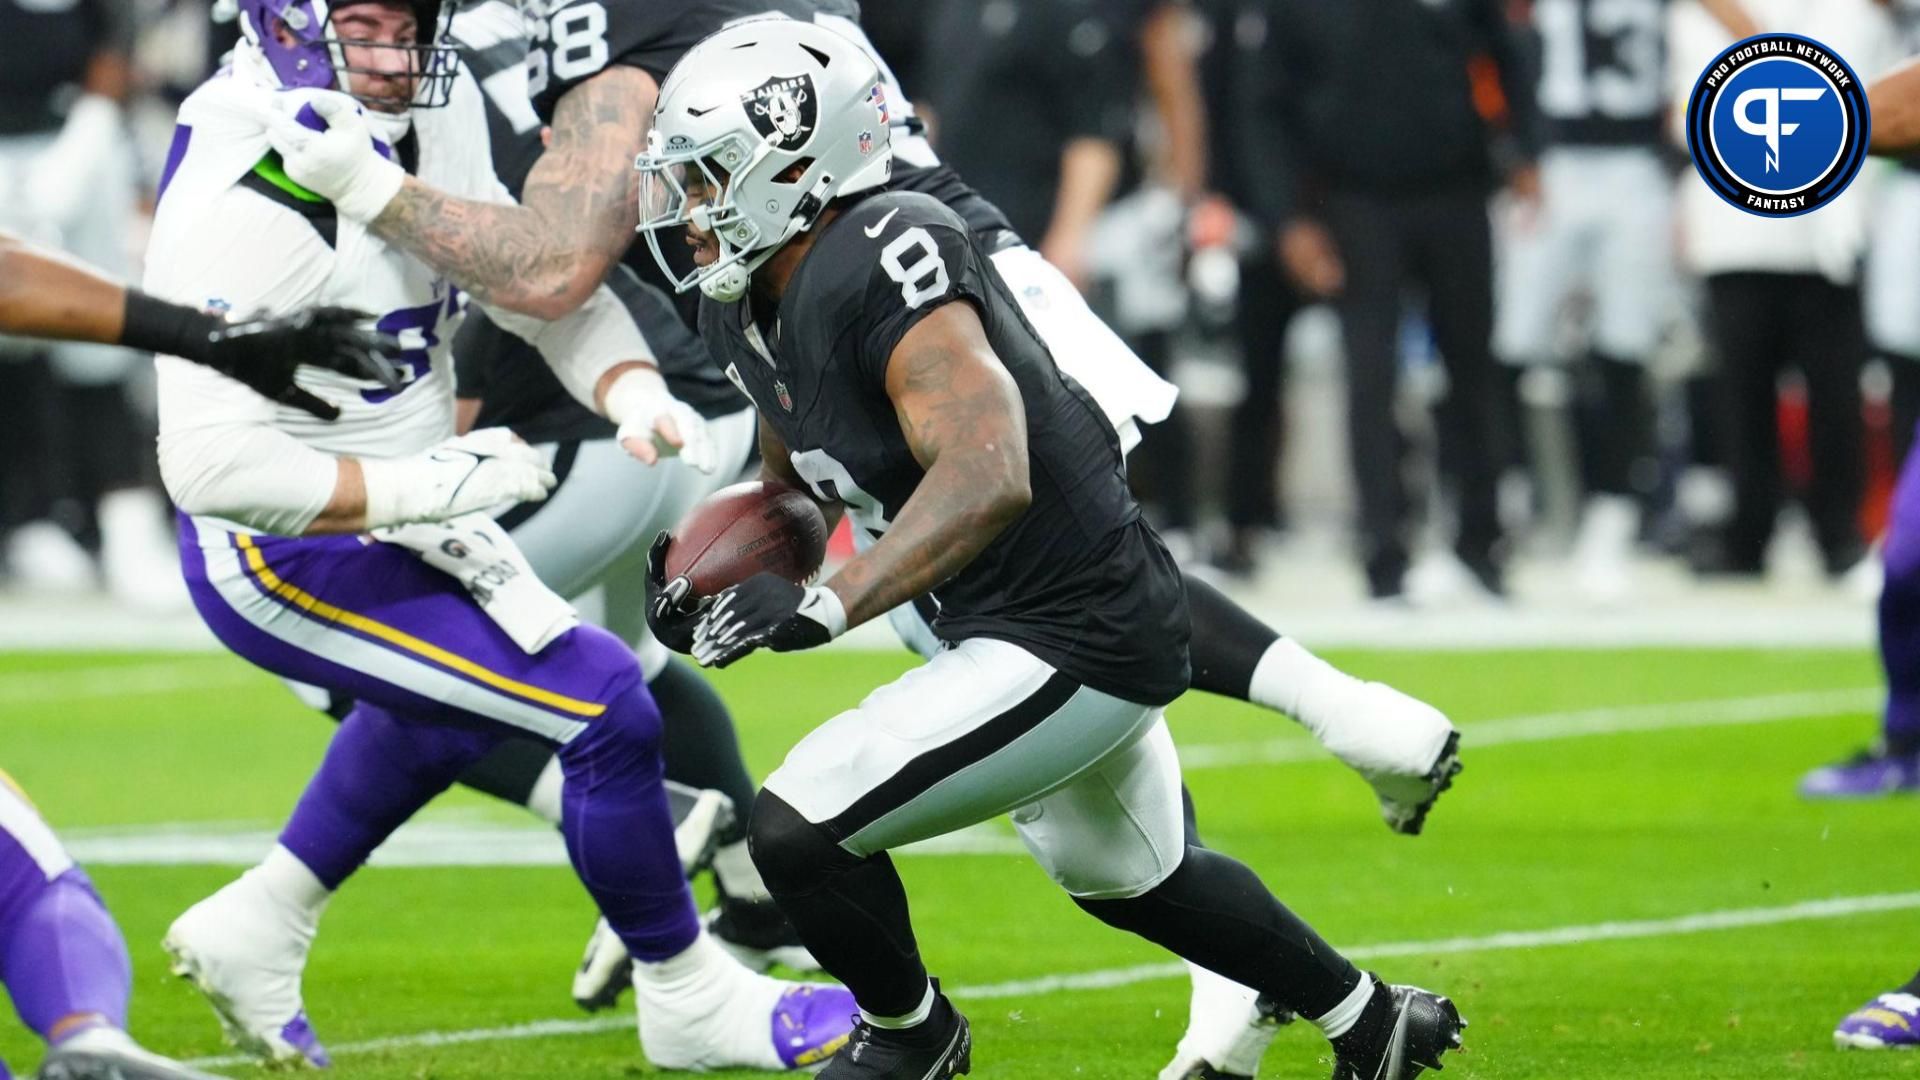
(880,226)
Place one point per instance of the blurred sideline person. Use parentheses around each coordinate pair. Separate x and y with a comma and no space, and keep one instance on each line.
(85,507)
(1266,299)
(1603,221)
(924,405)
(1783,295)
(435,626)
(1379,174)
(525,256)
(62,958)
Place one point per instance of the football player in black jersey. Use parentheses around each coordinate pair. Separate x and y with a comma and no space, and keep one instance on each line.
(46,295)
(897,380)
(531,257)
(589,51)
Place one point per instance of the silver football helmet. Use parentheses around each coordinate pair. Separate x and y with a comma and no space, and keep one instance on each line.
(757,129)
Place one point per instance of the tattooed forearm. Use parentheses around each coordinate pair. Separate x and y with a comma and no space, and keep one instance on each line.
(545,256)
(964,420)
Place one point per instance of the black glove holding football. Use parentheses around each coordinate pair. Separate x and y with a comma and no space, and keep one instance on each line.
(264,352)
(767,611)
(672,613)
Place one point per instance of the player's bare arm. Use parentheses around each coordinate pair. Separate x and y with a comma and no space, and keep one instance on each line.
(576,216)
(48,295)
(963,418)
(1894,100)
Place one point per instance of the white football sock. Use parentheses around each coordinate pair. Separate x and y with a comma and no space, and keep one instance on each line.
(733,868)
(1223,1023)
(701,1009)
(288,881)
(544,799)
(1292,680)
(912,1019)
(1341,1018)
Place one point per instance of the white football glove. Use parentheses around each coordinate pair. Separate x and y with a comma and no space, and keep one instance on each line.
(339,163)
(654,424)
(476,471)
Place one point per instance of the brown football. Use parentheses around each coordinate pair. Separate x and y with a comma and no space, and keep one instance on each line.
(741,530)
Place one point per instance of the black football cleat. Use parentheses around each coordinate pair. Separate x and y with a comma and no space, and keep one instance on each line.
(1438,779)
(1405,1040)
(940,1048)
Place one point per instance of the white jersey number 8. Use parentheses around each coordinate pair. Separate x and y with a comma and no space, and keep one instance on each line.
(911,276)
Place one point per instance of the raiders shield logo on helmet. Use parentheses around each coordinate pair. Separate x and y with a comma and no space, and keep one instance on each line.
(783,109)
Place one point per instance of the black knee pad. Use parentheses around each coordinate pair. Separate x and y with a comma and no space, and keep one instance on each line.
(792,854)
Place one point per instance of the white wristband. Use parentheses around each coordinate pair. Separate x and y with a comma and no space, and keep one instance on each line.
(639,394)
(823,606)
(388,483)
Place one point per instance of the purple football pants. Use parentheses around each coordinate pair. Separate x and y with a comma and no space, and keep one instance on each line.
(1900,612)
(61,956)
(438,684)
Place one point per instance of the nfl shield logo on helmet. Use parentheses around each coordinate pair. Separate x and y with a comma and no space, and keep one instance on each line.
(780,392)
(783,109)
(866,142)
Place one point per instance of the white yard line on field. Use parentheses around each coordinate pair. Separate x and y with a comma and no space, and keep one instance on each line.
(434,842)
(1701,922)
(113,680)
(1581,723)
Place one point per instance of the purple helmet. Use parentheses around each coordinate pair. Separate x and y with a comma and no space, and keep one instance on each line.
(316,59)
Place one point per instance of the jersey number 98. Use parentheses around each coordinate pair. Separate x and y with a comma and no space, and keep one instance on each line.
(576,46)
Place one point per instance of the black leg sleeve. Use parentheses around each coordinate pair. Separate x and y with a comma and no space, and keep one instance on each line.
(1216,913)
(702,749)
(1227,642)
(850,912)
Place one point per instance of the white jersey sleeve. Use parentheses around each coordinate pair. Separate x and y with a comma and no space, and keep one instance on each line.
(584,344)
(221,453)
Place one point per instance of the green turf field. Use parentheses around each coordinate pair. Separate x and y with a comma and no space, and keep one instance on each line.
(1675,810)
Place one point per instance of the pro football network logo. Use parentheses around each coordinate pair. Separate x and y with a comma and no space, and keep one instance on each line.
(783,109)
(1778,125)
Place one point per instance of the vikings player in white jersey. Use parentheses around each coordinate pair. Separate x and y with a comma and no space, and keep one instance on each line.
(276,508)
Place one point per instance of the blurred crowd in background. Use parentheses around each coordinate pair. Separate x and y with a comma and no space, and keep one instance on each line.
(1434,277)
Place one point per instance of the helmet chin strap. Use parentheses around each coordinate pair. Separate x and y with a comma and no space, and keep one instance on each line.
(728,284)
